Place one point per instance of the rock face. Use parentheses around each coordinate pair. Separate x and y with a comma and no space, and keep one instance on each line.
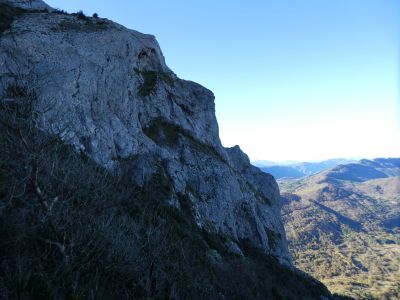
(107,91)
(30,4)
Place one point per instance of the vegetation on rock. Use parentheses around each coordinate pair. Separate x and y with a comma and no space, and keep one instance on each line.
(7,15)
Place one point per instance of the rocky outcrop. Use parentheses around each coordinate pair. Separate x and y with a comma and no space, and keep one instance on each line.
(108,91)
(30,4)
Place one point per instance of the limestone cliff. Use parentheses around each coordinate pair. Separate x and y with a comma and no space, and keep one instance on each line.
(107,91)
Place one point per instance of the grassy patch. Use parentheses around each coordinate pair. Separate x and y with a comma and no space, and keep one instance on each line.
(150,80)
(16,91)
(168,134)
(80,22)
(8,14)
(166,78)
(163,132)
(149,84)
(258,195)
(86,25)
(81,16)
(273,237)
(60,12)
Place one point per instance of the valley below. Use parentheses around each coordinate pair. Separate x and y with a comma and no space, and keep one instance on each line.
(343,227)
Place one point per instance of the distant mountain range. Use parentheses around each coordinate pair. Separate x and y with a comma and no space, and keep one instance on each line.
(298,169)
(366,169)
(343,226)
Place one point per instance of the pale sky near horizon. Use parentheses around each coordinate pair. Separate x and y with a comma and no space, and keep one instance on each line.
(293,79)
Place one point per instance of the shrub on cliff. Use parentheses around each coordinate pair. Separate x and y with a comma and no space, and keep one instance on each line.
(7,15)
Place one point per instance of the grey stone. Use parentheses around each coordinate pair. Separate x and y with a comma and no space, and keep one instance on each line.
(108,91)
(29,4)
(215,256)
(234,248)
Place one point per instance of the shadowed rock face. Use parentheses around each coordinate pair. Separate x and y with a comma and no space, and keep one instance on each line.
(107,91)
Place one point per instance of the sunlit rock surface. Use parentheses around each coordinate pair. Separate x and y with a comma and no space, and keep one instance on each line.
(108,91)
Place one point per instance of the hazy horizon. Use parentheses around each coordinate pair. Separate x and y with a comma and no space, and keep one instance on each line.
(293,80)
(284,162)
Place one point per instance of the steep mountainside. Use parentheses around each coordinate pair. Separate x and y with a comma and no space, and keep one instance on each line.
(114,183)
(343,227)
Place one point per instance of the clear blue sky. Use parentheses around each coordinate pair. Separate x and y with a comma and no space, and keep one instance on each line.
(293,79)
